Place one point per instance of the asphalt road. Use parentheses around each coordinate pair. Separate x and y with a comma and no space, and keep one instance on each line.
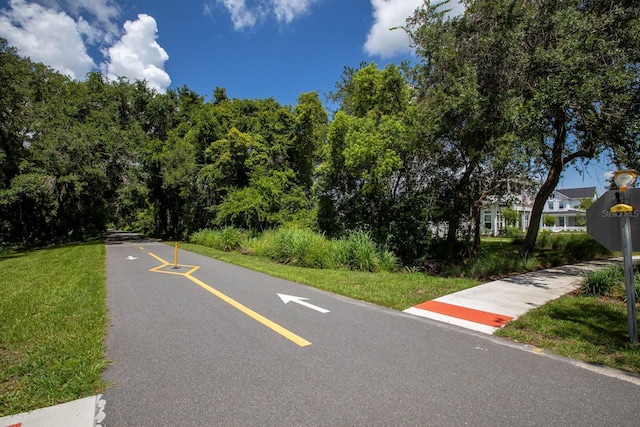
(216,346)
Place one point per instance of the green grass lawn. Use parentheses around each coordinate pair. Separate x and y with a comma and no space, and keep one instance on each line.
(53,322)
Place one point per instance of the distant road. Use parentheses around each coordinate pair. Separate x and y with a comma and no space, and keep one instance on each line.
(213,344)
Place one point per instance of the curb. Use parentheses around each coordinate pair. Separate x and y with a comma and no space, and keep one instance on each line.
(87,412)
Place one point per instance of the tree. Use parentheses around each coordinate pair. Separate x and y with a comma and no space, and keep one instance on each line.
(549,221)
(461,90)
(565,73)
(360,179)
(510,216)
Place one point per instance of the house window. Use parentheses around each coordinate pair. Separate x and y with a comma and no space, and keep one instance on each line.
(561,205)
(499,221)
(487,220)
(526,220)
(550,204)
(561,221)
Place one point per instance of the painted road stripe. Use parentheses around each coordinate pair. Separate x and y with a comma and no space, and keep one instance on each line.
(246,310)
(477,316)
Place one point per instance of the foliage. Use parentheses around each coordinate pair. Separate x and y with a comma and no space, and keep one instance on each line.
(226,239)
(395,290)
(602,281)
(610,282)
(554,81)
(78,156)
(549,220)
(495,265)
(510,216)
(577,247)
(303,248)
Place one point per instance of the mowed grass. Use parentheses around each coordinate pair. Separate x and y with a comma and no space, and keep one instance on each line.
(394,290)
(587,328)
(53,320)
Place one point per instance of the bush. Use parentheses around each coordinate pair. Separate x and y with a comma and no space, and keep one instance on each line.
(363,251)
(228,239)
(299,247)
(577,246)
(303,248)
(602,281)
(513,232)
(388,261)
(492,265)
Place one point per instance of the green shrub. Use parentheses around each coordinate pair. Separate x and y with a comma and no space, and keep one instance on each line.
(491,265)
(228,239)
(303,248)
(602,281)
(577,246)
(513,232)
(300,247)
(388,261)
(543,239)
(582,247)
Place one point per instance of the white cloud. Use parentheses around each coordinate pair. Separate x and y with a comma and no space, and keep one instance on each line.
(244,15)
(105,13)
(138,56)
(287,10)
(241,16)
(384,42)
(47,36)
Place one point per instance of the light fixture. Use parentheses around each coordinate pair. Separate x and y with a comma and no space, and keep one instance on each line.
(624,179)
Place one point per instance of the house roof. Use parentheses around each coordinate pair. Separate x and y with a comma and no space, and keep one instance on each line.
(577,193)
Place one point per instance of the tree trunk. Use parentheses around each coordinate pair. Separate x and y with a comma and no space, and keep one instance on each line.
(477,213)
(553,177)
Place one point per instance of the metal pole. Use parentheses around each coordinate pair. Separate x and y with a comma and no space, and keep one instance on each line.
(628,278)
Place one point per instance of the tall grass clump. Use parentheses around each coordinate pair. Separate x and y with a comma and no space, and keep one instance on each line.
(358,251)
(300,247)
(303,248)
(227,239)
(388,260)
(491,265)
(577,246)
(601,282)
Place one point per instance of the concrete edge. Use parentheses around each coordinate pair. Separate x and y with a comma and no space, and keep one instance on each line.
(86,412)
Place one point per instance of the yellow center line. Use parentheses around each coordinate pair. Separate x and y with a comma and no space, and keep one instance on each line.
(246,310)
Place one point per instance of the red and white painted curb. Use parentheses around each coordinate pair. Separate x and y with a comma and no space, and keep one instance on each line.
(469,318)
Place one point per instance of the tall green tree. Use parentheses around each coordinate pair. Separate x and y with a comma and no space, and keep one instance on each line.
(367,179)
(561,77)
(471,145)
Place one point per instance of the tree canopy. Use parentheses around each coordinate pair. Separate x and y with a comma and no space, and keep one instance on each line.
(507,92)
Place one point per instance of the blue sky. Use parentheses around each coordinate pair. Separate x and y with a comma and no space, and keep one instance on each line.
(253,48)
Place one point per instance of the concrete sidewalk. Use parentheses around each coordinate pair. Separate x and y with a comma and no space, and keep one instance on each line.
(488,307)
(87,412)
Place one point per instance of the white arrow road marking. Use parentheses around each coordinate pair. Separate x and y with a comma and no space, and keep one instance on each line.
(131,258)
(299,300)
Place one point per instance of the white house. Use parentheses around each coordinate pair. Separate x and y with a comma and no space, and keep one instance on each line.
(564,205)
